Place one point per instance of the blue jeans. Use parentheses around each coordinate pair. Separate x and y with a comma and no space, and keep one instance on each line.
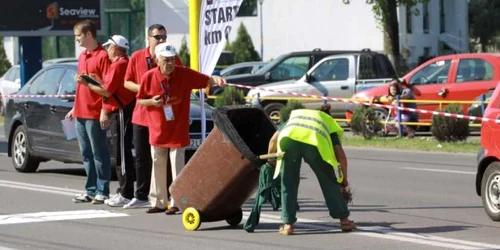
(95,155)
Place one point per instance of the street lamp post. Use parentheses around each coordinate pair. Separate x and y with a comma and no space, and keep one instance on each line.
(261,32)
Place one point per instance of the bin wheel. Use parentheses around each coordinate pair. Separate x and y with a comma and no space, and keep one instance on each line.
(236,218)
(191,219)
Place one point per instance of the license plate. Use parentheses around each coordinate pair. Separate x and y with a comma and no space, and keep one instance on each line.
(195,143)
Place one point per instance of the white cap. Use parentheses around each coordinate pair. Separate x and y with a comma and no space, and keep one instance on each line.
(165,50)
(118,40)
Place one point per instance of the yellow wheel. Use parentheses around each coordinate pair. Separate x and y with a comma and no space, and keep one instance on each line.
(191,219)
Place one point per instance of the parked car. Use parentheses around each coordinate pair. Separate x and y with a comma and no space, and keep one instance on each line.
(242,68)
(285,67)
(460,77)
(33,125)
(11,81)
(488,160)
(338,76)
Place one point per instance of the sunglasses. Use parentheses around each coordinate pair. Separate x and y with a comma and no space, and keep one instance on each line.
(160,37)
(111,38)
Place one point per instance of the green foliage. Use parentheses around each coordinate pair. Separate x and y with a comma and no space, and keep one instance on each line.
(230,96)
(484,21)
(386,14)
(287,110)
(447,129)
(242,47)
(4,61)
(248,8)
(184,53)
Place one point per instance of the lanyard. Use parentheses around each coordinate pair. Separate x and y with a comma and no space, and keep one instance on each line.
(165,90)
(149,62)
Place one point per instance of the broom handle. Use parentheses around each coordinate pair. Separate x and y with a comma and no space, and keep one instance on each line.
(270,156)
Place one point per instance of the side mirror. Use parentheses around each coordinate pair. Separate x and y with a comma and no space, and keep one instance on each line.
(267,76)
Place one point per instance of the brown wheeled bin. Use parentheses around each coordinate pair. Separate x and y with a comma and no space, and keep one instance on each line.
(223,173)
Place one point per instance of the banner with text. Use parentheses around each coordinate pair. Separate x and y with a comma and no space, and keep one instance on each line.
(216,17)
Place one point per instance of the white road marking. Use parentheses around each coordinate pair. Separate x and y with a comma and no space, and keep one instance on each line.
(374,231)
(6,248)
(384,233)
(440,170)
(57,216)
(39,188)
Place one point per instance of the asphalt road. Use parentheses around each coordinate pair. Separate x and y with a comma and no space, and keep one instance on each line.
(403,200)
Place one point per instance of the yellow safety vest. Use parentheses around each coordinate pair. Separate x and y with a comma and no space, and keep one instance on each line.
(314,128)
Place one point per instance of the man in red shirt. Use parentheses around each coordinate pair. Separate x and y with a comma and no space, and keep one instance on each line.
(140,62)
(87,110)
(165,93)
(117,116)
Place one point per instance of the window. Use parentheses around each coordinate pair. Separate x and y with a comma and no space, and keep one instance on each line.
(291,68)
(436,72)
(374,66)
(68,85)
(10,74)
(331,70)
(470,70)
(47,82)
(425,7)
(409,18)
(239,71)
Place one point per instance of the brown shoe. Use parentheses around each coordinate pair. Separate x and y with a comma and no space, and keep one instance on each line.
(155,210)
(172,210)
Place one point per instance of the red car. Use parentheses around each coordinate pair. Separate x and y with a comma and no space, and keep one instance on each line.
(460,77)
(488,159)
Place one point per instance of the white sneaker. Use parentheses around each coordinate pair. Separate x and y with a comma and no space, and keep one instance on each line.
(136,203)
(117,201)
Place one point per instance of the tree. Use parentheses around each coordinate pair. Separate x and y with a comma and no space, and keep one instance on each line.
(484,21)
(386,13)
(243,48)
(184,53)
(4,61)
(248,8)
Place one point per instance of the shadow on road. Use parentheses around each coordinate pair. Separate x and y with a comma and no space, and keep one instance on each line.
(66,171)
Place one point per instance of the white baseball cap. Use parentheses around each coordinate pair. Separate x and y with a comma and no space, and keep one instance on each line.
(165,50)
(118,40)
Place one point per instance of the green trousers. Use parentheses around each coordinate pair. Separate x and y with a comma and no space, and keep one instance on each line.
(269,190)
(290,177)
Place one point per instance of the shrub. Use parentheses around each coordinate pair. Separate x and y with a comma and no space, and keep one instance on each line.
(447,129)
(230,96)
(289,107)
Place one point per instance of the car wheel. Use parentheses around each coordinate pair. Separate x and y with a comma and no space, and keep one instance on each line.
(490,186)
(273,111)
(21,158)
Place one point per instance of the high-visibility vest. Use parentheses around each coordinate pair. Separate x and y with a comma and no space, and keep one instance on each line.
(314,128)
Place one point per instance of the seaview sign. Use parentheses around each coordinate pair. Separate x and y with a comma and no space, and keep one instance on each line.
(48,17)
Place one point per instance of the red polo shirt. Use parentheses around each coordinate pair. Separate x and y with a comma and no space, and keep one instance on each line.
(140,62)
(178,87)
(88,104)
(114,84)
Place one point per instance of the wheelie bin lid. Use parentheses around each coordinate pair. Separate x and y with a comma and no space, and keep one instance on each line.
(248,128)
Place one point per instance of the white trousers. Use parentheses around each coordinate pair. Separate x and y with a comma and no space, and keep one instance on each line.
(158,189)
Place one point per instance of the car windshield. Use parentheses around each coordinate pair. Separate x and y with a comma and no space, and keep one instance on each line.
(270,65)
